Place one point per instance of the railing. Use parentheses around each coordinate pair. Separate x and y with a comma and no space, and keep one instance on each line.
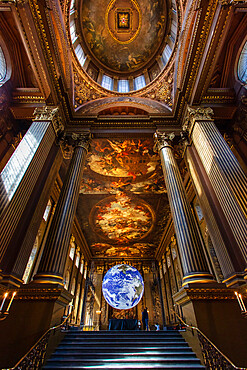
(212,356)
(34,358)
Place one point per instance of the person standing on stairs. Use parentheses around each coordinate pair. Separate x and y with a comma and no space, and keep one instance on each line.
(145,319)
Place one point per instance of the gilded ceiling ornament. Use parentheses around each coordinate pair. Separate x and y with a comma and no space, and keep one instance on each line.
(84,91)
(196,114)
(162,91)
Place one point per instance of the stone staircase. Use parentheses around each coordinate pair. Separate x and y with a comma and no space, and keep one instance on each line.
(123,350)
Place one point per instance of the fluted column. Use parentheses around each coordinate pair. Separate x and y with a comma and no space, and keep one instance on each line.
(53,260)
(189,243)
(224,173)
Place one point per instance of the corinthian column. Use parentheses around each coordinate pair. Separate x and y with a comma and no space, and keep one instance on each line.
(53,260)
(193,259)
(226,179)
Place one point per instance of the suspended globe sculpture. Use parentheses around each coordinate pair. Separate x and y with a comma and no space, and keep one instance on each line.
(123,287)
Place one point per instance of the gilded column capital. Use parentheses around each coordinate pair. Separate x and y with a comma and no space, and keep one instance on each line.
(74,140)
(50,114)
(196,114)
(82,140)
(162,140)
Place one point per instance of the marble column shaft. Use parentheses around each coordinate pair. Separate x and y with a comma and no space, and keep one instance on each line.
(189,242)
(52,264)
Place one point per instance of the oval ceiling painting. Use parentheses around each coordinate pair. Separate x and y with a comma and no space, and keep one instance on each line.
(122,219)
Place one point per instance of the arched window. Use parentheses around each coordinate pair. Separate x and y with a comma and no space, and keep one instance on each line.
(242,65)
(77,260)
(66,280)
(3,65)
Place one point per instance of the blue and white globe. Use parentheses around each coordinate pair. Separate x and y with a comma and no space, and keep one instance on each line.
(123,287)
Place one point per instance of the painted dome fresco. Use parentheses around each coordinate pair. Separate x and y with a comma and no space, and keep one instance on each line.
(120,34)
(123,44)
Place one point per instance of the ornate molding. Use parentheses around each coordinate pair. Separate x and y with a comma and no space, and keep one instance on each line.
(196,114)
(84,92)
(162,140)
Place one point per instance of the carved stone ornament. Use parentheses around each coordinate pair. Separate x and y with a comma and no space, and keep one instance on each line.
(162,140)
(196,114)
(50,114)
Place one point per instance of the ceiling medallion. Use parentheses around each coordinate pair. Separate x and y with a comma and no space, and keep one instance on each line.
(123,20)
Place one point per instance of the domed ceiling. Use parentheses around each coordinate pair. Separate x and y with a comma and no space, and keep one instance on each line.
(123,35)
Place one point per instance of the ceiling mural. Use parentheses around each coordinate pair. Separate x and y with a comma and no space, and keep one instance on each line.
(117,34)
(122,165)
(122,219)
(123,205)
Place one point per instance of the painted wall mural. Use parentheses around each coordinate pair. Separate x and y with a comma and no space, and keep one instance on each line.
(125,48)
(123,205)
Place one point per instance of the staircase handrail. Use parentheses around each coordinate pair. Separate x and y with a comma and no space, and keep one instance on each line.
(36,355)
(228,364)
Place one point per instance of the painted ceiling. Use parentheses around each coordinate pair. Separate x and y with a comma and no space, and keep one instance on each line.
(123,35)
(123,204)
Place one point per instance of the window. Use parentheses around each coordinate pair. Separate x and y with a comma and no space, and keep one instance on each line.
(77,261)
(72,250)
(140,82)
(3,66)
(242,65)
(80,55)
(166,54)
(73,31)
(81,267)
(123,86)
(47,211)
(107,82)
(30,263)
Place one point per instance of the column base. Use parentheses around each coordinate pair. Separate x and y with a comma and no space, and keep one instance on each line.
(34,310)
(48,279)
(215,311)
(236,280)
(198,277)
(11,281)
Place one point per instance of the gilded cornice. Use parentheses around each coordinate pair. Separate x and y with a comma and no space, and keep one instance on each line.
(195,294)
(44,43)
(27,32)
(208,72)
(43,292)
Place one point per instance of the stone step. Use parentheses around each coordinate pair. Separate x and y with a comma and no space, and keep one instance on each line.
(144,356)
(140,366)
(116,351)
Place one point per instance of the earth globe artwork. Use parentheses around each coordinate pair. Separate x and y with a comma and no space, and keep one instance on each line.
(123,287)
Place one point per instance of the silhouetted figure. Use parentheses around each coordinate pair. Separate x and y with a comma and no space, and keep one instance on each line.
(145,319)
